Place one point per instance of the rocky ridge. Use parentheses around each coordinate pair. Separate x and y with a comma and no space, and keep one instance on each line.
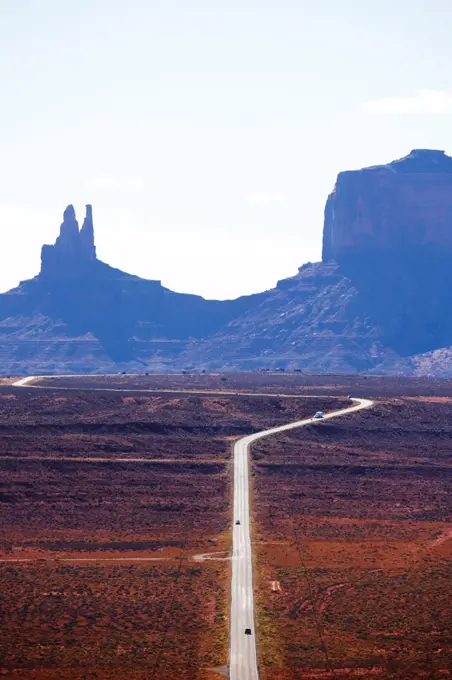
(378,302)
(81,315)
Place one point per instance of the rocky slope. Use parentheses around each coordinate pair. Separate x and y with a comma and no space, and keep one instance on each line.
(378,302)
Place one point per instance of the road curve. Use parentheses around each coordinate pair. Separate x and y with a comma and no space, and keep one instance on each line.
(243,651)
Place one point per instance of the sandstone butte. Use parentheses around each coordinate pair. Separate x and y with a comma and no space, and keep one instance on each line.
(378,302)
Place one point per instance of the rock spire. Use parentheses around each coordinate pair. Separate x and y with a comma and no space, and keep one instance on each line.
(74,251)
(87,234)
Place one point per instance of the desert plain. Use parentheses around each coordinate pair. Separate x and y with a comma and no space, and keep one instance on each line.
(115,527)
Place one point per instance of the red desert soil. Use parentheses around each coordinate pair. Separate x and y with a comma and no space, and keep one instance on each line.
(266,382)
(354,519)
(100,579)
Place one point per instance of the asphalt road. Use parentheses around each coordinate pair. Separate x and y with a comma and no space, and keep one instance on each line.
(242,651)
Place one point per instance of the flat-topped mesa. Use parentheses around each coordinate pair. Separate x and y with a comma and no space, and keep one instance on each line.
(402,208)
(74,250)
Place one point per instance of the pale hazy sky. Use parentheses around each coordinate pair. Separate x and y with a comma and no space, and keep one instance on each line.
(207,134)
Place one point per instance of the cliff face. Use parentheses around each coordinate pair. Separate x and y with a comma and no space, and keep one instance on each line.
(403,208)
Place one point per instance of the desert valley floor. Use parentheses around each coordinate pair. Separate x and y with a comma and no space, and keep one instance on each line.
(115,527)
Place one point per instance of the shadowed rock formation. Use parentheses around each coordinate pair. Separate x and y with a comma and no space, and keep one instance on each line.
(87,235)
(80,314)
(74,252)
(378,302)
(402,208)
(383,292)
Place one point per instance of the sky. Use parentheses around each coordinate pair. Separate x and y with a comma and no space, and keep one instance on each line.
(207,134)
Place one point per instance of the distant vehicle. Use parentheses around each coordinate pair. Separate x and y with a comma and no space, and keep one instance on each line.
(238,521)
(247,631)
(319,414)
